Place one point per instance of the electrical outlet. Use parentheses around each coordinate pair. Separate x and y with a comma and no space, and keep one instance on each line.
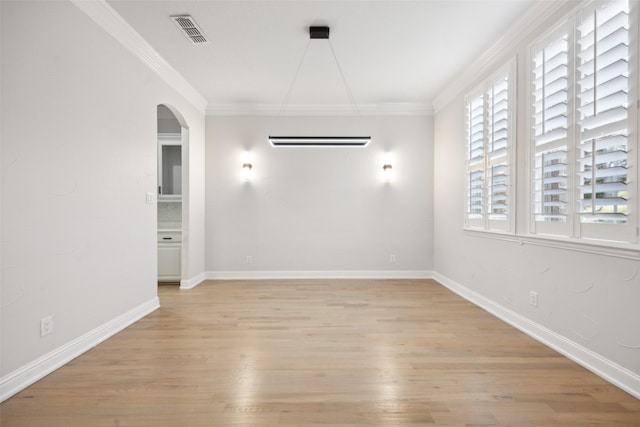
(533,298)
(392,258)
(46,326)
(249,259)
(151,198)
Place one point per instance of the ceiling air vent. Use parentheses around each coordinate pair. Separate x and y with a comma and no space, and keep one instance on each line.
(190,29)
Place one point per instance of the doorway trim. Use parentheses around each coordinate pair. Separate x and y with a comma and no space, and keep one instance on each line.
(184,140)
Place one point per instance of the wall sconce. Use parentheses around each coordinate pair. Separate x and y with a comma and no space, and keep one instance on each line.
(246,171)
(247,166)
(387,170)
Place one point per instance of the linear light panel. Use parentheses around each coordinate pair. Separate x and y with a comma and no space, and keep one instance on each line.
(319,141)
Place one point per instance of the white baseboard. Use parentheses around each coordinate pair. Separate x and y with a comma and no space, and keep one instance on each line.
(193,282)
(346,274)
(601,366)
(28,374)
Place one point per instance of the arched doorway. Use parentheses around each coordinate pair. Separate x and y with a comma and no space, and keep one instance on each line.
(173,147)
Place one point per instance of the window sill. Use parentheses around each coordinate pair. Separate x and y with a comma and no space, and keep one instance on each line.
(613,249)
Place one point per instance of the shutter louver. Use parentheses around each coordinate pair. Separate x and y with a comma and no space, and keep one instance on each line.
(550,109)
(497,156)
(475,195)
(603,100)
(475,158)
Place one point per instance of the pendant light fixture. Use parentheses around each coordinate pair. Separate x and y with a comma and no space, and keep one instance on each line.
(319,141)
(319,32)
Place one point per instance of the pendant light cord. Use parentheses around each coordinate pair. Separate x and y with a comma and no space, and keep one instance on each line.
(285,102)
(287,98)
(344,80)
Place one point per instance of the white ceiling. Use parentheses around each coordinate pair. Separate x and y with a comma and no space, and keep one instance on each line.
(392,51)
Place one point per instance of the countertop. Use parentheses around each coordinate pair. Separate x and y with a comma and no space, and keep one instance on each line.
(169,226)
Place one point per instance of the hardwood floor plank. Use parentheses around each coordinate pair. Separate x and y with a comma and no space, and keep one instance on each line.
(318,353)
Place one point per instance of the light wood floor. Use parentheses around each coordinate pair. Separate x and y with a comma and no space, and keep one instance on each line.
(346,353)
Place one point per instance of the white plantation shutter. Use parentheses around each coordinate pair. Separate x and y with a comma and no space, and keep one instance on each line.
(602,102)
(584,125)
(475,159)
(489,152)
(550,127)
(497,149)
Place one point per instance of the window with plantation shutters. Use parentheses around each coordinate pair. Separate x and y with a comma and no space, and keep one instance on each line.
(602,61)
(489,154)
(550,128)
(584,126)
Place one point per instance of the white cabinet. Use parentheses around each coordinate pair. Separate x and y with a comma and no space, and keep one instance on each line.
(169,262)
(169,256)
(169,166)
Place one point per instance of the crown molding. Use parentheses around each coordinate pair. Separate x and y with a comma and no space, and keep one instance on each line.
(384,109)
(110,21)
(543,12)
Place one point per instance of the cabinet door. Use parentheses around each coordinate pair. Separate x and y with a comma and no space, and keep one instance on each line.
(171,176)
(169,166)
(169,262)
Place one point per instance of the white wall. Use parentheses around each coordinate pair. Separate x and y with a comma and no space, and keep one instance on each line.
(78,156)
(588,303)
(319,210)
